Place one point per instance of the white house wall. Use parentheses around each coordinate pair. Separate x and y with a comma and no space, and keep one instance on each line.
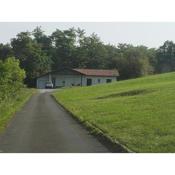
(71,80)
(95,80)
(41,81)
(67,80)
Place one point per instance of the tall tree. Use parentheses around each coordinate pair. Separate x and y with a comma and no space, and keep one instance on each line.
(32,59)
(165,57)
(91,52)
(64,45)
(44,41)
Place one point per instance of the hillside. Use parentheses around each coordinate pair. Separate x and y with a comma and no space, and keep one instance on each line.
(139,113)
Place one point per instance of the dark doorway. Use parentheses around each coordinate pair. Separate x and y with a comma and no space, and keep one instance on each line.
(89,81)
(108,81)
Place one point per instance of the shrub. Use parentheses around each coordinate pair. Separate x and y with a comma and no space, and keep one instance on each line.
(11,78)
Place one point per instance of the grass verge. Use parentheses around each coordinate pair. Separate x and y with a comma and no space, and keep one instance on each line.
(12,105)
(138,113)
(112,145)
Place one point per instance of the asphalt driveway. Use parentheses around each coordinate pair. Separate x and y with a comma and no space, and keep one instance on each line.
(42,126)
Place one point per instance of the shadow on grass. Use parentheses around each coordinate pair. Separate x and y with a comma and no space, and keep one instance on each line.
(127,93)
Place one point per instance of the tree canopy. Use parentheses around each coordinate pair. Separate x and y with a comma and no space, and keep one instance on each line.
(31,56)
(39,53)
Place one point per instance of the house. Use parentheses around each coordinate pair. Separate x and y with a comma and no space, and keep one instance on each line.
(77,77)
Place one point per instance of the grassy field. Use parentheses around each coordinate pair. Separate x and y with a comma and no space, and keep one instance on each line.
(9,107)
(139,113)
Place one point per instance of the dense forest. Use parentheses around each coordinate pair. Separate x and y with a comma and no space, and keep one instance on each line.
(38,53)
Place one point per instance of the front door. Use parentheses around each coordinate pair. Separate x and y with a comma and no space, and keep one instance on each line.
(89,81)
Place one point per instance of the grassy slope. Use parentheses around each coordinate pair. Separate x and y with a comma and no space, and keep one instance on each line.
(139,113)
(8,108)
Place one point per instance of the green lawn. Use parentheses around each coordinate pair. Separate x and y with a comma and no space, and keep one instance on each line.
(139,113)
(13,104)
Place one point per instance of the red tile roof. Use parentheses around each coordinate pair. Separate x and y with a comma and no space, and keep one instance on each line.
(98,72)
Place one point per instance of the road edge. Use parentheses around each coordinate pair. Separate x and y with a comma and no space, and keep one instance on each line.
(17,109)
(112,145)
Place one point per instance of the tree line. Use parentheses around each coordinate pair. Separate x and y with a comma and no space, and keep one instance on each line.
(39,53)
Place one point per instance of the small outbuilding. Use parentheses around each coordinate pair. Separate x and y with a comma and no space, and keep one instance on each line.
(77,77)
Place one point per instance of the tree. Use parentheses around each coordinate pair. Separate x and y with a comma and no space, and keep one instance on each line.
(32,59)
(39,53)
(130,61)
(5,51)
(165,57)
(11,77)
(91,52)
(64,45)
(44,41)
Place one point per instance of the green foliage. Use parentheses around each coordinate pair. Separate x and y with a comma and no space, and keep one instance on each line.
(44,41)
(165,57)
(138,113)
(130,61)
(5,51)
(64,47)
(9,106)
(32,59)
(11,78)
(91,52)
(39,53)
(12,92)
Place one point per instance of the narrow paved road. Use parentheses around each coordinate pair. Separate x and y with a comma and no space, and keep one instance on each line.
(42,126)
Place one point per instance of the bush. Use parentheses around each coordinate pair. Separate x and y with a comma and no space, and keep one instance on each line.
(11,78)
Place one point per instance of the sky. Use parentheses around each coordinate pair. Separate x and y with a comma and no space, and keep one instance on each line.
(150,34)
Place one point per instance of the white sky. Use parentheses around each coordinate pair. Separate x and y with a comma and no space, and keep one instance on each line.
(143,33)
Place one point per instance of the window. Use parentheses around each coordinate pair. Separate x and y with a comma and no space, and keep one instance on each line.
(108,80)
(99,80)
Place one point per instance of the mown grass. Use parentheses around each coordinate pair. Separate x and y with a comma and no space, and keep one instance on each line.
(12,105)
(139,113)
